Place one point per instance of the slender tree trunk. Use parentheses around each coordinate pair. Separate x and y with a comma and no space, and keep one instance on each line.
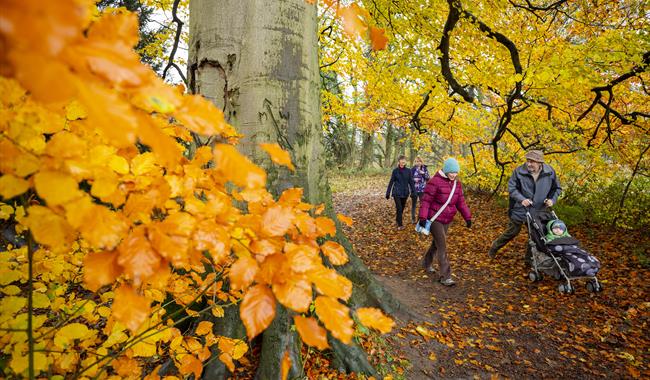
(257,60)
(388,152)
(366,150)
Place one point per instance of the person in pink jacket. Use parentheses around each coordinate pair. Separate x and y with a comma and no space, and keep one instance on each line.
(436,195)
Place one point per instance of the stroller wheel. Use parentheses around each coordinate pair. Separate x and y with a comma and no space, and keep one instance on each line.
(594,286)
(534,276)
(566,288)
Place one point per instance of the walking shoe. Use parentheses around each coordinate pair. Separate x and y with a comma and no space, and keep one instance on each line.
(400,227)
(492,253)
(448,282)
(430,270)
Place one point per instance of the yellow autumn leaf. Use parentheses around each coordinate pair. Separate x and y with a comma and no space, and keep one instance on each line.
(5,211)
(75,110)
(67,334)
(143,163)
(47,227)
(56,187)
(40,301)
(278,155)
(11,186)
(119,164)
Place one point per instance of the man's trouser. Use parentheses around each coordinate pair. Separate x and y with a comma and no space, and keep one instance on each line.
(511,232)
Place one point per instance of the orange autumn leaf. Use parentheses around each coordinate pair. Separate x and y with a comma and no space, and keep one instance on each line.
(125,366)
(204,328)
(335,317)
(310,332)
(264,247)
(278,155)
(378,38)
(130,308)
(104,228)
(291,197)
(319,209)
(306,224)
(191,365)
(334,252)
(352,19)
(100,269)
(301,258)
(373,318)
(277,220)
(118,123)
(243,272)
(325,226)
(238,168)
(330,283)
(286,365)
(345,219)
(257,310)
(199,115)
(294,292)
(137,257)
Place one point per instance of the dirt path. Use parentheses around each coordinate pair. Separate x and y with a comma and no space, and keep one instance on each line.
(494,322)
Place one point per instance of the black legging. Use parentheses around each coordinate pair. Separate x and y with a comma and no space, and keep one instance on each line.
(399,208)
(414,204)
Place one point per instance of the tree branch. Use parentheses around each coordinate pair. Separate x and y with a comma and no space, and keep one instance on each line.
(177,39)
(415,120)
(627,186)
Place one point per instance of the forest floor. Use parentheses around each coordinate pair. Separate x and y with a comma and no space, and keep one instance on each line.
(495,322)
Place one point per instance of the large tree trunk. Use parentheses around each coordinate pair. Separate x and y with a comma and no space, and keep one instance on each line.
(257,60)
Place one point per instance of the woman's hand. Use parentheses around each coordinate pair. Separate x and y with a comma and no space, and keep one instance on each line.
(422,223)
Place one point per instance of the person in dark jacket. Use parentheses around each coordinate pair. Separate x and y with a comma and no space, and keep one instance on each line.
(535,185)
(421,176)
(400,187)
(436,195)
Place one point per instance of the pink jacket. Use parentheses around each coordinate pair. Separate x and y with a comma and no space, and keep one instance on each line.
(436,193)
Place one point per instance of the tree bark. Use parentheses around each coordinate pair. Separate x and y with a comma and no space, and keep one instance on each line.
(257,61)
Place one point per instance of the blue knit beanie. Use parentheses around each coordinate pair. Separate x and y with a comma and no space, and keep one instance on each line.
(450,166)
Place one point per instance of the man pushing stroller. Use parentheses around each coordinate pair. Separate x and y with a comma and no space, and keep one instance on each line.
(533,184)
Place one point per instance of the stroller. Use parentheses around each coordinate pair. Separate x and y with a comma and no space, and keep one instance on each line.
(561,258)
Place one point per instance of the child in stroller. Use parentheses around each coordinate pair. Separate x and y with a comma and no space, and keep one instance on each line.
(558,254)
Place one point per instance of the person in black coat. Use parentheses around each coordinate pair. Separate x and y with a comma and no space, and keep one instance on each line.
(401,185)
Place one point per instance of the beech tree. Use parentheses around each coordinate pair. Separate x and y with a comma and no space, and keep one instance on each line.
(258,61)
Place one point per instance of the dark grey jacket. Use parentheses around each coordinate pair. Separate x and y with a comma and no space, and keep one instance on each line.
(401,183)
(521,185)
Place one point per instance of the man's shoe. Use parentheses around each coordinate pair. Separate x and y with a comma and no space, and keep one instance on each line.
(448,282)
(492,253)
